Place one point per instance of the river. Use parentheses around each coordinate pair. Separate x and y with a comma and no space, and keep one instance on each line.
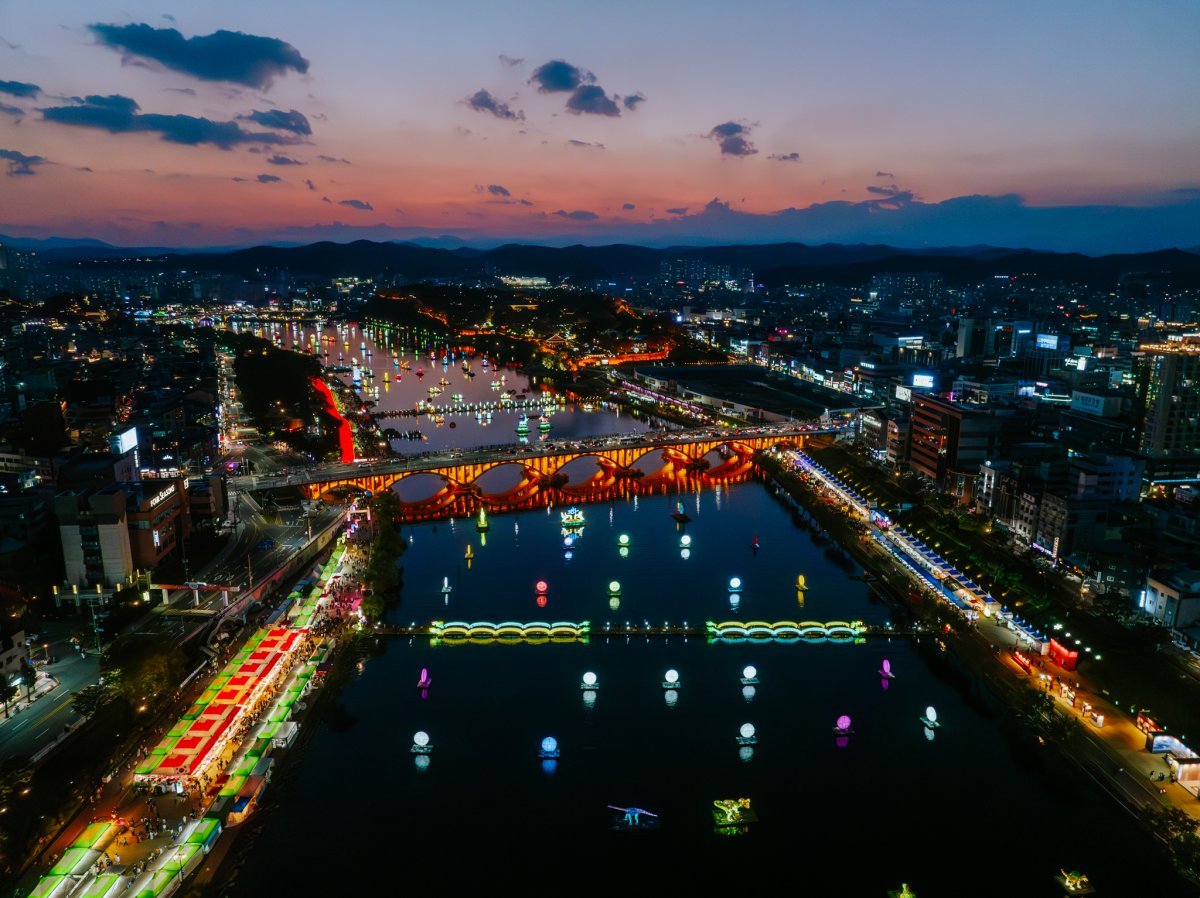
(974,809)
(394,356)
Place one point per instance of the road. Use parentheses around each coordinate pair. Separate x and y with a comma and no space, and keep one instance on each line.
(265,544)
(30,729)
(433,460)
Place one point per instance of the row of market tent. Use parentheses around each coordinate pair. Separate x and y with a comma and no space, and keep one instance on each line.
(203,732)
(75,872)
(928,559)
(85,869)
(835,483)
(931,568)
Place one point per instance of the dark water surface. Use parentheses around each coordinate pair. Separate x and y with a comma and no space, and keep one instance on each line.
(978,811)
(403,388)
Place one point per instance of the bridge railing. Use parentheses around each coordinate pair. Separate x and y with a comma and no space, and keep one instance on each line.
(431,460)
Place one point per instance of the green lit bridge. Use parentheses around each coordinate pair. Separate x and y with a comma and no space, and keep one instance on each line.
(542,632)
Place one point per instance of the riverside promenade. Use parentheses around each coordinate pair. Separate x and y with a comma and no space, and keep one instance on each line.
(1112,754)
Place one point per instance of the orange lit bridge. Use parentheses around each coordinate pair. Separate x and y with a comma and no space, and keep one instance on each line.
(678,461)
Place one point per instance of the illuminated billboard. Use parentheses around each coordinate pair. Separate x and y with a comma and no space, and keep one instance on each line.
(923,380)
(120,443)
(1047,341)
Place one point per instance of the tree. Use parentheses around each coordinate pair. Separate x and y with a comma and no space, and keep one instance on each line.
(8,691)
(1175,824)
(28,677)
(15,777)
(382,574)
(1036,707)
(42,430)
(146,671)
(1178,828)
(89,700)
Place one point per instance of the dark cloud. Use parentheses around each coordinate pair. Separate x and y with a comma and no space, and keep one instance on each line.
(629,207)
(180,90)
(326,199)
(334,159)
(889,190)
(86,168)
(632,101)
(293,120)
(577,215)
(590,99)
(498,190)
(585,143)
(309,184)
(11,110)
(511,61)
(733,138)
(682,210)
(221,56)
(121,115)
(20,164)
(238,180)
(785,157)
(525,202)
(485,101)
(279,159)
(557,76)
(884,174)
(268,179)
(19,89)
(905,221)
(362,205)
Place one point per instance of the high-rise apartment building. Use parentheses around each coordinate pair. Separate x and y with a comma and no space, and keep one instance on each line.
(1167,376)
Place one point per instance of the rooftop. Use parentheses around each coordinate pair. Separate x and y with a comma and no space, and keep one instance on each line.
(757,387)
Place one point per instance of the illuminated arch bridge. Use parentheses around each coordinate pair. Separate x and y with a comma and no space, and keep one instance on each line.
(786,631)
(679,453)
(509,631)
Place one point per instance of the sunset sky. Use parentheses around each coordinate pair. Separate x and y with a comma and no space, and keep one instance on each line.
(1068,125)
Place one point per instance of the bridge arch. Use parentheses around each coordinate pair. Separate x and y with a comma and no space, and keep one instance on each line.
(678,454)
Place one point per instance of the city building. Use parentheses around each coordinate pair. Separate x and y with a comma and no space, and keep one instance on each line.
(899,432)
(1167,381)
(1095,420)
(975,338)
(1172,598)
(13,652)
(94,528)
(158,518)
(950,441)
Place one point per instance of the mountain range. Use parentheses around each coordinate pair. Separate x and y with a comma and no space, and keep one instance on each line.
(772,263)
